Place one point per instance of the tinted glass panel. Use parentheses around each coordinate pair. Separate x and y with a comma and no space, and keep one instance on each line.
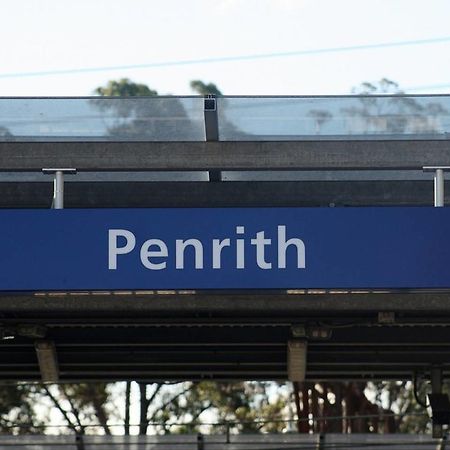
(102,119)
(343,118)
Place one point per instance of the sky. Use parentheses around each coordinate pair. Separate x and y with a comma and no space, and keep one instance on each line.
(246,47)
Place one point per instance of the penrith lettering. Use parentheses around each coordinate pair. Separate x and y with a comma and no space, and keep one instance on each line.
(154,253)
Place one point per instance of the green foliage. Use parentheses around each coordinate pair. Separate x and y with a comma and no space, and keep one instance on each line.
(137,118)
(125,88)
(202,88)
(240,406)
(244,402)
(80,404)
(398,397)
(17,413)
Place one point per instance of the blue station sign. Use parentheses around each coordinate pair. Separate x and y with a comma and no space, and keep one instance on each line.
(225,248)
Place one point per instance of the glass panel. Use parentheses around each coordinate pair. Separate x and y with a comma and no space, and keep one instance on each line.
(93,177)
(177,119)
(342,118)
(37,442)
(102,119)
(163,176)
(330,175)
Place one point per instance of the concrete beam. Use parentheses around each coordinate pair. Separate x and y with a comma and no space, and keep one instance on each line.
(266,304)
(282,155)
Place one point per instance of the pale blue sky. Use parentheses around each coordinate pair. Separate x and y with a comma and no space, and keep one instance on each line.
(55,35)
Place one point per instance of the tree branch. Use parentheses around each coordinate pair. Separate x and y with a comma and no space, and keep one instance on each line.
(99,409)
(74,409)
(60,408)
(127,408)
(166,404)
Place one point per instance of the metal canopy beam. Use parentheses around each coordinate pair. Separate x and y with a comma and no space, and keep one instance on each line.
(282,155)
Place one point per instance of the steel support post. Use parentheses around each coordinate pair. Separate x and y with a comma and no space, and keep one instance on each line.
(58,190)
(200,442)
(439,188)
(79,442)
(58,185)
(438,183)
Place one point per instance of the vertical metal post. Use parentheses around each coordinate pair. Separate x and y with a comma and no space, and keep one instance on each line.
(212,129)
(58,190)
(58,185)
(436,388)
(200,442)
(321,442)
(439,188)
(438,183)
(79,441)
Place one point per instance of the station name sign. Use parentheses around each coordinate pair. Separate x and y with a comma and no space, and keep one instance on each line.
(225,248)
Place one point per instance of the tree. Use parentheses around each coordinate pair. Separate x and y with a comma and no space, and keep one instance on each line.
(78,404)
(320,118)
(171,408)
(5,134)
(202,88)
(124,88)
(396,114)
(135,118)
(17,412)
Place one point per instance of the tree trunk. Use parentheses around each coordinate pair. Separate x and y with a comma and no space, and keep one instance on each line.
(99,409)
(127,408)
(143,402)
(332,410)
(302,412)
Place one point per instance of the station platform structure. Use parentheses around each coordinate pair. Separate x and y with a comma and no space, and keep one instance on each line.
(195,152)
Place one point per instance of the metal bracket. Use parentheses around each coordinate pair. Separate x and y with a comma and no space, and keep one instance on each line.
(318,332)
(386,318)
(48,361)
(298,331)
(296,359)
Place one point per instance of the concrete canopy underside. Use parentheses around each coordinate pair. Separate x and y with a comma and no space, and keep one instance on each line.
(223,336)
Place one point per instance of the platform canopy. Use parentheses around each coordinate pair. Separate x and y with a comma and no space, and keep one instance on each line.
(202,152)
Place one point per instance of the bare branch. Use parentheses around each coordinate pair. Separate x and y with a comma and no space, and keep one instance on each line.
(60,408)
